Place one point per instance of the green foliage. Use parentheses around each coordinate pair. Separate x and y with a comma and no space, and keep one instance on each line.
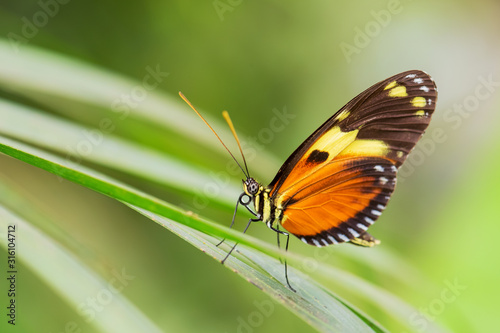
(91,97)
(319,307)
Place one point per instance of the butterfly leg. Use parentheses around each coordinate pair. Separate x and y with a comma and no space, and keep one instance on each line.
(279,232)
(244,203)
(234,246)
(278,236)
(278,240)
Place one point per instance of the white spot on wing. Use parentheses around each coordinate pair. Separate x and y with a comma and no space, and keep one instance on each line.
(369,220)
(376,212)
(316,243)
(381,207)
(424,88)
(304,240)
(333,240)
(410,76)
(393,168)
(343,237)
(383,180)
(353,232)
(418,80)
(379,168)
(362,226)
(324,241)
(429,101)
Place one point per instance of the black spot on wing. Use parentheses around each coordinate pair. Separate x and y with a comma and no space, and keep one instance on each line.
(317,157)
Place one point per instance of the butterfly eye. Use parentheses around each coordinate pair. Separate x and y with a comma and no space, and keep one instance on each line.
(251,186)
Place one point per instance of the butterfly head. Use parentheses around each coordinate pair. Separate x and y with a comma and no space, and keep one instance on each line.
(251,187)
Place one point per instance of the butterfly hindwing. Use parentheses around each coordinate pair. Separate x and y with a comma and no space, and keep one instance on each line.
(336,184)
(342,205)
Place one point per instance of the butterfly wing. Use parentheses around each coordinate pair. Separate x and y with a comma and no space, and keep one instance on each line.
(338,181)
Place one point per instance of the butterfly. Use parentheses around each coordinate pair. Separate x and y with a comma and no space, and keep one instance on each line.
(336,184)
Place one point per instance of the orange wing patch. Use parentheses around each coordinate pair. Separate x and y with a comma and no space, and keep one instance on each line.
(340,205)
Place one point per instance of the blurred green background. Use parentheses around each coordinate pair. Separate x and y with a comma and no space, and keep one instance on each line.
(250,58)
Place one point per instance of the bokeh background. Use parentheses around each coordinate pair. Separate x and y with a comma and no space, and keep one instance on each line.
(250,58)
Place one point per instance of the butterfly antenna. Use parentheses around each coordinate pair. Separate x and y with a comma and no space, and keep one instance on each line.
(192,107)
(225,114)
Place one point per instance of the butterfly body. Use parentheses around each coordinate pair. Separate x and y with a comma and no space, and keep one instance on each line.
(266,210)
(336,184)
(339,180)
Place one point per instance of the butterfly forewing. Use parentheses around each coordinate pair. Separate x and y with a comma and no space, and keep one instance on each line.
(336,184)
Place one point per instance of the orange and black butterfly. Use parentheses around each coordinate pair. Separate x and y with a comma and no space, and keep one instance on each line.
(336,184)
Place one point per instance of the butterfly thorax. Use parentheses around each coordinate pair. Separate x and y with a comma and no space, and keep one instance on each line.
(263,203)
